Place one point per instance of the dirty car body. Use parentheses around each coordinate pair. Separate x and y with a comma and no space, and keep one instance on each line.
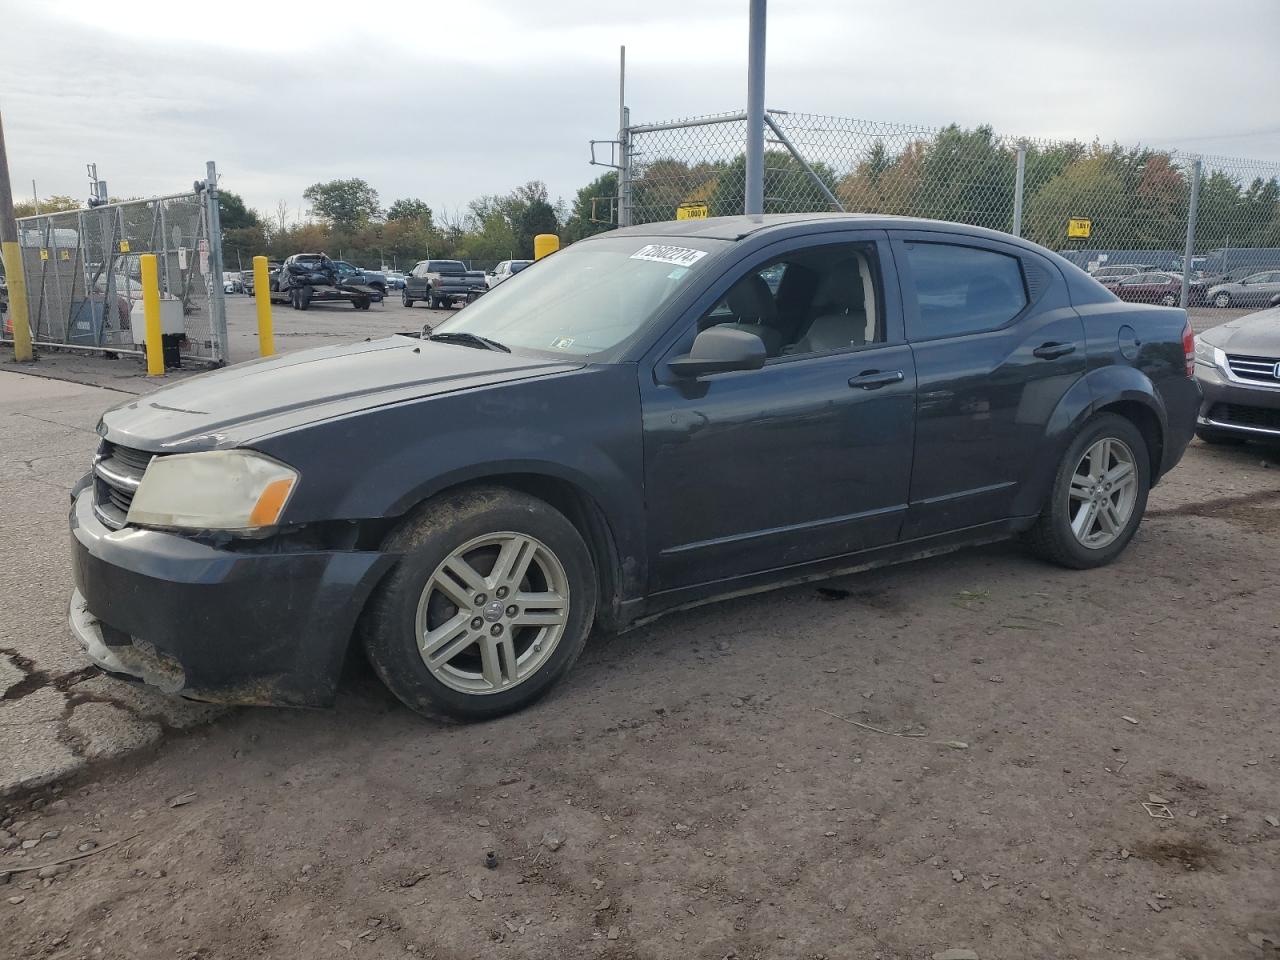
(867,425)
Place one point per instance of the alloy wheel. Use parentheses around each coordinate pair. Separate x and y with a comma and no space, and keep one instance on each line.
(1104,489)
(492,613)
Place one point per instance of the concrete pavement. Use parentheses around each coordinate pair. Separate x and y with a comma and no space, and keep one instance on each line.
(57,712)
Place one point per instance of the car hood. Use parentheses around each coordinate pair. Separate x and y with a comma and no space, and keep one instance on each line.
(1255,335)
(248,401)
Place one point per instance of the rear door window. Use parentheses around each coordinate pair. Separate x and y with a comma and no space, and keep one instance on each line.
(962,289)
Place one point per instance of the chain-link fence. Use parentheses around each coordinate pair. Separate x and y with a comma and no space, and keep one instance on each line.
(1096,204)
(84,277)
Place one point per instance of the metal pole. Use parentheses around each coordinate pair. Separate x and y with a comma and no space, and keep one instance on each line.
(817,180)
(262,297)
(151,314)
(215,263)
(35,196)
(1193,210)
(1018,182)
(11,252)
(624,144)
(755,109)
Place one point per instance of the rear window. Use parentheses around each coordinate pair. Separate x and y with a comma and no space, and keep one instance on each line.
(962,290)
(447,266)
(518,265)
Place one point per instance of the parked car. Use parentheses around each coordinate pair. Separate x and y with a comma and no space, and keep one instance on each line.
(505,271)
(1238,369)
(637,426)
(1252,291)
(441,283)
(232,281)
(1120,271)
(395,279)
(1165,288)
(478,282)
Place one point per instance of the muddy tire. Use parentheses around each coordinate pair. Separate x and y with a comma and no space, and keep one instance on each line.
(487,608)
(1098,497)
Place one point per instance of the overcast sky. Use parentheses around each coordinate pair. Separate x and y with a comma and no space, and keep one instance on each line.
(446,101)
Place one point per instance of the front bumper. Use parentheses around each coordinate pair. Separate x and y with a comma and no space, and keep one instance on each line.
(1236,406)
(215,623)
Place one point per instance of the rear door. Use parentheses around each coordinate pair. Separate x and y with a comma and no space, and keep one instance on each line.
(996,345)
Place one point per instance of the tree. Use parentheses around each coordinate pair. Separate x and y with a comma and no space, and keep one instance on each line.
(233,213)
(54,204)
(408,209)
(343,203)
(787,187)
(594,208)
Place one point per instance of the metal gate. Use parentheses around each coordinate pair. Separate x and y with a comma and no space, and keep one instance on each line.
(84,277)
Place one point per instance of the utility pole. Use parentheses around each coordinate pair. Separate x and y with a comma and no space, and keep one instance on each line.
(11,249)
(755,109)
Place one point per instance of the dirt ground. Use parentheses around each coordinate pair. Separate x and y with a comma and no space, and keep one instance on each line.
(692,792)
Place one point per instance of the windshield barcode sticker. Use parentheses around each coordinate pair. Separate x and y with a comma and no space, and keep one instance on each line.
(665,253)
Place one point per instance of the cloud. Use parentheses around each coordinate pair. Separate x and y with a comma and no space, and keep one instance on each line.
(450,102)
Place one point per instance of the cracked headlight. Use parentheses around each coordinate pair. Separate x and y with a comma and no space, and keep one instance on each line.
(234,490)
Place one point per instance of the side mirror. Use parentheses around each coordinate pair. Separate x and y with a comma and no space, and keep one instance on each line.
(720,349)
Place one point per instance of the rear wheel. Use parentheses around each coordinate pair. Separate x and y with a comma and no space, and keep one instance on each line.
(1099,495)
(304,298)
(488,607)
(293,298)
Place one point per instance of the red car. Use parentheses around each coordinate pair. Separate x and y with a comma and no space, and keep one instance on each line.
(1165,288)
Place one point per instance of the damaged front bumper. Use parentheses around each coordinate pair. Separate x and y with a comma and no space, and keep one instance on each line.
(215,623)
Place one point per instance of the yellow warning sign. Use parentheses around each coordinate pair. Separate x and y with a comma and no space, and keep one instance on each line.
(692,211)
(124,246)
(44,254)
(64,255)
(1079,228)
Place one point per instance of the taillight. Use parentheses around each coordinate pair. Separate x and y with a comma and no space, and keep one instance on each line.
(1189,348)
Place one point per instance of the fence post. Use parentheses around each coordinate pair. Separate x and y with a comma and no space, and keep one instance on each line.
(151,315)
(215,263)
(755,109)
(1193,211)
(262,295)
(11,252)
(1018,181)
(804,165)
(624,170)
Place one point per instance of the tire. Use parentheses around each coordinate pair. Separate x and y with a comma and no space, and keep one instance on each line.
(405,299)
(1169,300)
(293,299)
(1052,537)
(1209,435)
(1222,300)
(409,603)
(304,298)
(360,304)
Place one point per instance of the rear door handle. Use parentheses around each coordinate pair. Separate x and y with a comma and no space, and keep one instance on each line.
(1052,351)
(875,379)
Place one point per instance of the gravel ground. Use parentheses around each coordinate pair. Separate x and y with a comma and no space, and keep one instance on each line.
(710,786)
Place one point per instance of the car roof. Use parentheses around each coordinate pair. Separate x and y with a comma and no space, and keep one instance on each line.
(740,227)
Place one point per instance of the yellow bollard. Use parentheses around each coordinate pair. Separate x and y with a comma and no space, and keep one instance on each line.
(151,315)
(19,317)
(262,294)
(544,244)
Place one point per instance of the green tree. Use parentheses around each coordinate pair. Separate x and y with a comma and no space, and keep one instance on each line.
(232,212)
(594,208)
(54,204)
(409,209)
(787,187)
(346,204)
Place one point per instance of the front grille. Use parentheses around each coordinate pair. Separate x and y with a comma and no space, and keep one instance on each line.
(117,471)
(1254,368)
(1240,415)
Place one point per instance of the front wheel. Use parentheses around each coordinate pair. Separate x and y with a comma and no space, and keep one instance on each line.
(1098,498)
(1222,299)
(488,607)
(405,299)
(1169,300)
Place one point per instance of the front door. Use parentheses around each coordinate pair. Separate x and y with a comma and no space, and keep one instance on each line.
(804,459)
(997,344)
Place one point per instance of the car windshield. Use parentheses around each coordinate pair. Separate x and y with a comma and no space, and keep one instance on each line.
(587,298)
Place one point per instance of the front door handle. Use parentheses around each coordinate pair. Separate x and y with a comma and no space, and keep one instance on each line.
(875,379)
(1052,351)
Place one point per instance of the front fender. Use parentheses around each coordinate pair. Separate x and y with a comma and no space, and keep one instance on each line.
(1097,389)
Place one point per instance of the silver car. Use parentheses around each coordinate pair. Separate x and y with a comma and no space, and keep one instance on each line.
(1255,290)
